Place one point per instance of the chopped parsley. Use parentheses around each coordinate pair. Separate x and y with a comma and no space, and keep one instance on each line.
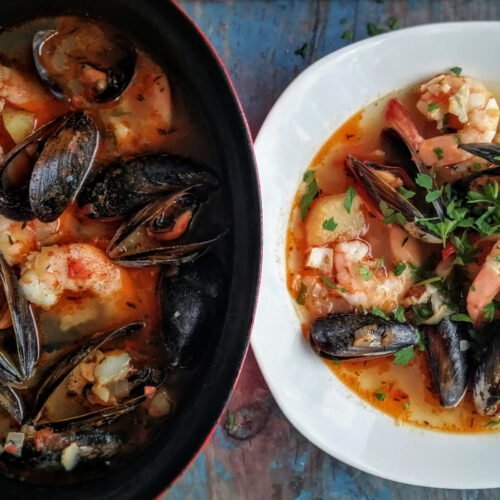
(372,29)
(421,341)
(347,35)
(406,193)
(439,153)
(301,51)
(328,282)
(456,70)
(399,314)
(404,356)
(378,312)
(311,192)
(365,273)
(461,317)
(432,195)
(492,423)
(329,224)
(380,396)
(432,106)
(427,281)
(349,198)
(425,181)
(391,216)
(407,405)
(399,268)
(301,296)
(489,311)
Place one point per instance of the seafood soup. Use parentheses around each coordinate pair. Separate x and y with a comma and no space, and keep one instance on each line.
(393,254)
(111,248)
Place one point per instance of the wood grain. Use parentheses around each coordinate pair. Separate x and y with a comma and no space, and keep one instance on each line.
(257,40)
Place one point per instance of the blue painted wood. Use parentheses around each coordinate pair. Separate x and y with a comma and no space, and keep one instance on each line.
(257,40)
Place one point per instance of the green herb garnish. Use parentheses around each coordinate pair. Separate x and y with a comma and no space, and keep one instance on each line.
(378,312)
(404,356)
(365,273)
(399,268)
(399,314)
(439,153)
(456,70)
(301,296)
(461,317)
(329,224)
(311,192)
(432,106)
(380,396)
(349,198)
(425,181)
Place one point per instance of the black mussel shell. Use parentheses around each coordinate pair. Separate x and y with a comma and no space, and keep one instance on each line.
(71,360)
(62,167)
(490,152)
(16,168)
(11,401)
(156,221)
(126,186)
(25,330)
(486,390)
(467,183)
(88,63)
(448,362)
(351,335)
(381,191)
(190,302)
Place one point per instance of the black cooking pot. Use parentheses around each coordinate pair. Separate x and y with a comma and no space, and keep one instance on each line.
(174,41)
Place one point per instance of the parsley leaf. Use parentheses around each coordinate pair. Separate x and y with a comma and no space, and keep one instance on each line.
(399,268)
(349,198)
(425,181)
(372,29)
(380,396)
(439,153)
(404,356)
(399,314)
(432,106)
(365,273)
(347,35)
(328,282)
(461,317)
(432,195)
(456,70)
(311,192)
(301,296)
(406,193)
(489,311)
(329,224)
(378,312)
(421,341)
(301,51)
(492,423)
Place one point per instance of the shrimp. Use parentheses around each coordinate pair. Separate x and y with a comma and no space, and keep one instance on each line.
(464,104)
(366,280)
(27,93)
(485,287)
(77,267)
(17,240)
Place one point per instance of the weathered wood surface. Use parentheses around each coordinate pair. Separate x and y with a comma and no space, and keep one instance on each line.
(257,40)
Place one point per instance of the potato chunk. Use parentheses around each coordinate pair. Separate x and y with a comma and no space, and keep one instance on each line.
(348,226)
(18,123)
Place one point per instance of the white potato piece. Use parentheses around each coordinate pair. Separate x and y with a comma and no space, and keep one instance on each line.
(19,123)
(349,226)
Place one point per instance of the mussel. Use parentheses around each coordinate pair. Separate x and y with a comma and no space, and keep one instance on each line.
(100,415)
(448,360)
(12,403)
(351,335)
(85,64)
(490,152)
(189,305)
(42,175)
(159,234)
(126,186)
(381,191)
(25,332)
(486,389)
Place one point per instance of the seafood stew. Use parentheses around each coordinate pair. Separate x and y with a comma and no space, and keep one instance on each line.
(112,247)
(392,254)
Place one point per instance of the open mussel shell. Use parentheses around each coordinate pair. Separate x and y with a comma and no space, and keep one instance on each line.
(448,361)
(481,177)
(62,167)
(190,301)
(381,191)
(489,152)
(25,330)
(16,168)
(486,389)
(165,219)
(11,401)
(126,186)
(84,63)
(351,335)
(70,361)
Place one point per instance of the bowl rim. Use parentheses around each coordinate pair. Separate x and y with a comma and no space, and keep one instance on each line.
(276,110)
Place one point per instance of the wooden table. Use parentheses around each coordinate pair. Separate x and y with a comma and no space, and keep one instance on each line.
(265,44)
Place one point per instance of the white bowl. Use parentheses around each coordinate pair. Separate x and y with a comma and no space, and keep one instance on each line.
(308,393)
